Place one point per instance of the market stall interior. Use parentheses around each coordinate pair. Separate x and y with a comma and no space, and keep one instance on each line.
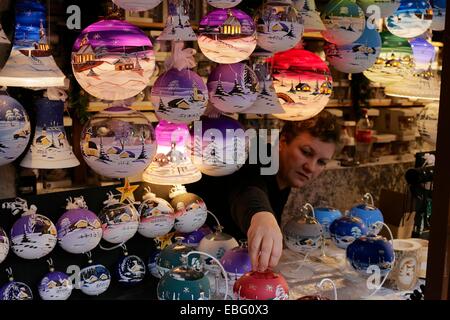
(119,123)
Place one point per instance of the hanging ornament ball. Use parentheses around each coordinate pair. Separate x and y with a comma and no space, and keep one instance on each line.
(279,27)
(303,82)
(157,217)
(424,53)
(33,236)
(303,234)
(216,244)
(224,4)
(172,257)
(79,231)
(345,230)
(233,87)
(190,212)
(385,7)
(412,19)
(113,60)
(137,5)
(219,147)
(261,286)
(120,222)
(236,262)
(95,280)
(326,216)
(180,96)
(152,266)
(344,21)
(227,35)
(193,238)
(4,245)
(357,56)
(369,215)
(55,286)
(15,130)
(439,11)
(130,270)
(118,142)
(427,122)
(14,291)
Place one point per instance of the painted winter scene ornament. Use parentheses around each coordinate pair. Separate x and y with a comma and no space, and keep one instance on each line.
(302,81)
(118,142)
(439,12)
(311,17)
(412,19)
(236,262)
(79,230)
(95,280)
(357,56)
(233,87)
(15,130)
(261,286)
(172,256)
(424,54)
(279,27)
(190,210)
(113,60)
(157,216)
(137,5)
(224,4)
(227,35)
(14,291)
(178,26)
(120,221)
(4,245)
(179,96)
(346,229)
(193,238)
(386,7)
(130,270)
(55,285)
(344,21)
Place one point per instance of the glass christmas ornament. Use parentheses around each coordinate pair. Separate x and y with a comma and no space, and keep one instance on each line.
(113,60)
(172,164)
(3,38)
(303,82)
(439,11)
(171,257)
(193,238)
(344,21)
(79,230)
(15,130)
(130,269)
(395,61)
(180,96)
(311,17)
(411,19)
(137,5)
(279,27)
(152,266)
(320,288)
(190,210)
(224,4)
(423,52)
(326,216)
(219,146)
(427,122)
(120,221)
(178,27)
(233,87)
(369,214)
(386,7)
(31,63)
(157,216)
(118,142)
(357,56)
(237,262)
(266,285)
(50,148)
(227,35)
(55,285)
(95,279)
(14,290)
(4,245)
(346,229)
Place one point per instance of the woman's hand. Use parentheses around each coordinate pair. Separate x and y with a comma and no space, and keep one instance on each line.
(265,241)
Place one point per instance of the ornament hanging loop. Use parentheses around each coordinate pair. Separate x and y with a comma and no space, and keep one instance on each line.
(89,255)
(9,272)
(51,266)
(368,199)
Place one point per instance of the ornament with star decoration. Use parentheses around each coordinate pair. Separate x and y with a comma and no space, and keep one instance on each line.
(266,285)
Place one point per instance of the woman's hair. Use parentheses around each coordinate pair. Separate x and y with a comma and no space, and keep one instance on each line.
(324,126)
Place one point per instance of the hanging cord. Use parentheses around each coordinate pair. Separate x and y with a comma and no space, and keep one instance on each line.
(112,248)
(321,285)
(219,226)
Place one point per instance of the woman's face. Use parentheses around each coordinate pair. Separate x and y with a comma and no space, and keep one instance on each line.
(302,160)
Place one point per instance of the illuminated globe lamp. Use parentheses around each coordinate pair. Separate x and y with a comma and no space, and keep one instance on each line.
(386,7)
(311,17)
(344,21)
(357,56)
(178,27)
(302,81)
(227,35)
(411,19)
(224,4)
(4,245)
(31,64)
(113,60)
(137,5)
(266,285)
(439,11)
(427,122)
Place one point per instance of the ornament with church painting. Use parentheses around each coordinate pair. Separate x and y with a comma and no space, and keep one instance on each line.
(279,27)
(15,130)
(190,210)
(130,269)
(311,17)
(344,21)
(137,5)
(357,56)
(50,148)
(113,60)
(219,147)
(179,96)
(4,245)
(439,10)
(79,230)
(178,26)
(412,19)
(95,278)
(15,290)
(118,142)
(303,83)
(120,221)
(266,285)
(55,285)
(233,87)
(227,35)
(157,216)
(33,236)
(386,7)
(3,38)
(224,4)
